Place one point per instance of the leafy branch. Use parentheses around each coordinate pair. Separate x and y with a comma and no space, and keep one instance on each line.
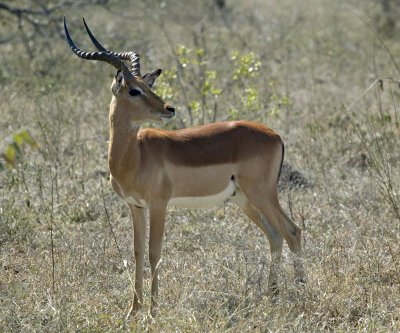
(11,147)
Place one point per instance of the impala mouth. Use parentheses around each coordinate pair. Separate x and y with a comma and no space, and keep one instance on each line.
(168,116)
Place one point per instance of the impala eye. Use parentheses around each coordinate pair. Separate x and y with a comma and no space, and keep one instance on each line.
(135,92)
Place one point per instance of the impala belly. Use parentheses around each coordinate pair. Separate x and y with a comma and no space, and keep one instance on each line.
(202,186)
(205,201)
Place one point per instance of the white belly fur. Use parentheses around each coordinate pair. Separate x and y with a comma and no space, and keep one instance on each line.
(205,201)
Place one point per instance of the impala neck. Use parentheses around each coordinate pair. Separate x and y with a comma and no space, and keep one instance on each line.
(122,150)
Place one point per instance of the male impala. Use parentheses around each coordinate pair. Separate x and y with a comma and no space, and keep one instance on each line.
(195,167)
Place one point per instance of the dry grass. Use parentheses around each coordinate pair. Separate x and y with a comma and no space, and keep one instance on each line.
(63,270)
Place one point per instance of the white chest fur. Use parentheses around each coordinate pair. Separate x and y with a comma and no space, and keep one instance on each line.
(205,201)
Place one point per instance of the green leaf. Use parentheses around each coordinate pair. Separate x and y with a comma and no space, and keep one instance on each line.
(13,147)
(10,155)
(27,137)
(387,118)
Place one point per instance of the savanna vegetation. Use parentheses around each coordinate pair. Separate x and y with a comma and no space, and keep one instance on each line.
(324,74)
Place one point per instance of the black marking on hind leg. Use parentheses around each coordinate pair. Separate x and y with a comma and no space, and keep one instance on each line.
(233,179)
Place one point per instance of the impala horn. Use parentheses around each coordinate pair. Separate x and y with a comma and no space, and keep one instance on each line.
(104,55)
(133,57)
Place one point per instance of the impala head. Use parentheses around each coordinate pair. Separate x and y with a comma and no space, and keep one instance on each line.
(135,96)
(132,92)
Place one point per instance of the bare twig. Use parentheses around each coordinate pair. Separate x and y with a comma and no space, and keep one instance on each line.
(108,218)
(378,38)
(51,226)
(40,16)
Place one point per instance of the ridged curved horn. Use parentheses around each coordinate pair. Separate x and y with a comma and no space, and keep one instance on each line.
(133,57)
(105,56)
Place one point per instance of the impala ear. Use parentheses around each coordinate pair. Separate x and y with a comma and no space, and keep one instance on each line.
(117,83)
(151,77)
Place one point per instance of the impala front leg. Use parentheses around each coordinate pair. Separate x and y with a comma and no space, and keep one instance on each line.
(157,224)
(139,230)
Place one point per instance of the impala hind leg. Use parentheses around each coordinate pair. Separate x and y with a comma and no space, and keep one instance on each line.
(274,238)
(157,224)
(297,253)
(266,201)
(139,233)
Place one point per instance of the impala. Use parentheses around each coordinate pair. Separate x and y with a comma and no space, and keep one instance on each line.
(194,167)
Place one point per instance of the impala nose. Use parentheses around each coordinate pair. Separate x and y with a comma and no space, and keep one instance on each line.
(170,109)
